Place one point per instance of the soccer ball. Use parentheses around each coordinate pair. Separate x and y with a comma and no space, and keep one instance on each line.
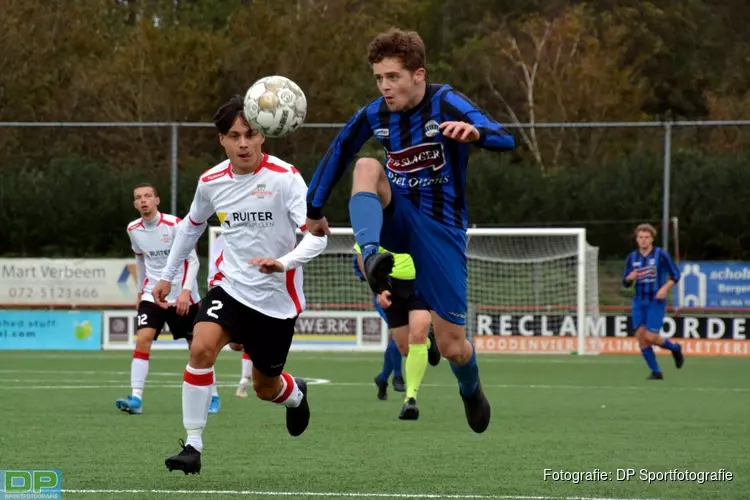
(275,106)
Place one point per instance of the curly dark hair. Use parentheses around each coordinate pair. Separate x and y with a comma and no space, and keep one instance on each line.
(395,43)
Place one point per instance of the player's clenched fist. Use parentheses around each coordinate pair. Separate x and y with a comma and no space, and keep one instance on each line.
(161,292)
(267,265)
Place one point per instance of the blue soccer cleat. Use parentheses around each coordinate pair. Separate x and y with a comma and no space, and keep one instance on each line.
(215,405)
(131,405)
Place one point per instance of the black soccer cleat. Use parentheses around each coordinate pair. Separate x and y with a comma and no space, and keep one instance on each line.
(679,359)
(433,353)
(398,384)
(382,388)
(478,411)
(188,460)
(410,410)
(298,418)
(655,376)
(378,267)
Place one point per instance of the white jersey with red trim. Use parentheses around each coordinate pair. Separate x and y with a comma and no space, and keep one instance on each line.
(259,214)
(153,241)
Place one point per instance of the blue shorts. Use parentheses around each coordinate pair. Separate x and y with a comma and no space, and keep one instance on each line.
(649,314)
(438,252)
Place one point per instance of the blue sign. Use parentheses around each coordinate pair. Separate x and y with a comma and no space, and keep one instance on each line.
(47,330)
(713,285)
(31,484)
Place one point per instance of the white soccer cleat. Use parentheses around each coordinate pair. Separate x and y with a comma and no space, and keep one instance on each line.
(242,388)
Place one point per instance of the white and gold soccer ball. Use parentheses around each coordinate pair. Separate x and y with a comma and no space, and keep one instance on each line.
(275,106)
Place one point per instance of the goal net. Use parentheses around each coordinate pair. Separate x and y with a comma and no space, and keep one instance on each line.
(529,291)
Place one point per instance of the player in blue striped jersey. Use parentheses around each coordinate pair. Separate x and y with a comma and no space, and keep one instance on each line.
(417,203)
(654,274)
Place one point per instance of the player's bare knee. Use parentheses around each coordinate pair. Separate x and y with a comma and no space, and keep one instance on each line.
(367,170)
(266,388)
(143,342)
(451,348)
(202,354)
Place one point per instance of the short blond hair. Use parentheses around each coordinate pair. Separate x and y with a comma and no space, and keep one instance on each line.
(647,228)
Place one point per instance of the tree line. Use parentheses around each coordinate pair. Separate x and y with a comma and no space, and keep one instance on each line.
(524,62)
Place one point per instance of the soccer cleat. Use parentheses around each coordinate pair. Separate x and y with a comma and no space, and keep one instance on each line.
(131,405)
(378,267)
(398,384)
(433,353)
(477,410)
(410,410)
(382,388)
(242,388)
(679,359)
(655,376)
(298,418)
(188,460)
(215,405)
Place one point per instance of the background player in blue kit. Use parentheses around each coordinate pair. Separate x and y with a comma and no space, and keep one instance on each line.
(417,204)
(654,274)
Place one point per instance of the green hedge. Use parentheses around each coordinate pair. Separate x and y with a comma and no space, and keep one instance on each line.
(80,207)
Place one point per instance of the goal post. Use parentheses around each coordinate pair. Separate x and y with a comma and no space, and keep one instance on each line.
(530,290)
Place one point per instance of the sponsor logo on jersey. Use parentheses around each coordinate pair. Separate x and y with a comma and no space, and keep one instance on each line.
(431,128)
(247,219)
(260,191)
(158,253)
(381,132)
(415,158)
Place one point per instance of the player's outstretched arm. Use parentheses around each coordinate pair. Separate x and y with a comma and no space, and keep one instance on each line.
(311,245)
(189,230)
(461,115)
(337,159)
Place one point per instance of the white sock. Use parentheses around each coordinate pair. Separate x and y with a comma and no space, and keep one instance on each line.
(214,391)
(196,398)
(247,368)
(138,373)
(290,394)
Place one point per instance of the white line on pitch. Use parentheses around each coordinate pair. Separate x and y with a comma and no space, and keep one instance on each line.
(347,495)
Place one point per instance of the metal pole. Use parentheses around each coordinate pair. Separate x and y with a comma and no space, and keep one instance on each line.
(667,173)
(174,170)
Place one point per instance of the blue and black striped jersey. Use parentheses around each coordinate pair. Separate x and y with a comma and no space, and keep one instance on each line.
(653,270)
(422,165)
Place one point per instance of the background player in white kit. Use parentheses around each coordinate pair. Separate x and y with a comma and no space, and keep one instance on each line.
(151,237)
(246,370)
(257,293)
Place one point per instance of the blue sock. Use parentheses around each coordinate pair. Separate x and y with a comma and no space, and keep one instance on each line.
(671,345)
(396,360)
(387,365)
(366,216)
(467,375)
(650,357)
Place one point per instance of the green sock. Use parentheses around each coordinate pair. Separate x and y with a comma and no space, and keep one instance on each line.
(415,367)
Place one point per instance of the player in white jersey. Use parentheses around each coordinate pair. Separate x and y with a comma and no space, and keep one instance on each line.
(151,237)
(256,293)
(246,370)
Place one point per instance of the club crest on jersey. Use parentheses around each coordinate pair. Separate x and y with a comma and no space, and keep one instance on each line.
(165,236)
(431,128)
(260,191)
(428,155)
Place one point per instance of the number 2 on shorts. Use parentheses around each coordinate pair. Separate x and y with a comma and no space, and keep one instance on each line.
(215,306)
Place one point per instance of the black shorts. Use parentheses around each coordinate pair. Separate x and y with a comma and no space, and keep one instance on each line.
(403,299)
(152,316)
(265,339)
